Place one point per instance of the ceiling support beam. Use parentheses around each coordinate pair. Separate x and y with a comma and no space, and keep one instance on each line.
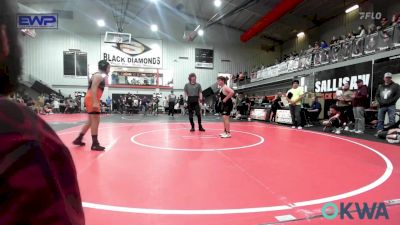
(270,17)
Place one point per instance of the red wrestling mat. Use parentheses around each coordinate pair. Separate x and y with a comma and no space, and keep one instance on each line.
(65,118)
(160,173)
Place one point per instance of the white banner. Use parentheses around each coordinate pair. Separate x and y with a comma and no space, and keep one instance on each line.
(145,53)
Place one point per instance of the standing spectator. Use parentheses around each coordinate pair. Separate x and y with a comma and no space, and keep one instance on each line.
(360,103)
(295,96)
(387,95)
(217,105)
(156,102)
(56,106)
(344,104)
(166,104)
(384,23)
(38,177)
(371,28)
(40,101)
(144,104)
(171,103)
(362,31)
(324,45)
(334,40)
(276,105)
(108,101)
(182,105)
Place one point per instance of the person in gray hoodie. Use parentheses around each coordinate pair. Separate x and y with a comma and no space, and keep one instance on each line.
(387,95)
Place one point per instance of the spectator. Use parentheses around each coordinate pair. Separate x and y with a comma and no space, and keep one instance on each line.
(344,101)
(334,40)
(334,120)
(276,105)
(108,101)
(384,23)
(182,105)
(265,100)
(393,136)
(396,19)
(314,111)
(31,104)
(56,106)
(40,101)
(349,36)
(324,45)
(316,46)
(38,177)
(47,109)
(387,95)
(203,107)
(295,96)
(360,103)
(144,104)
(166,104)
(362,31)
(371,28)
(171,103)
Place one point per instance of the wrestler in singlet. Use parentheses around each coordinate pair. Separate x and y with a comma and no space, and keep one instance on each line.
(89,96)
(93,107)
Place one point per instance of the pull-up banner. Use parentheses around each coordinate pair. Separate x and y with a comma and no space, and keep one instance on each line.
(329,81)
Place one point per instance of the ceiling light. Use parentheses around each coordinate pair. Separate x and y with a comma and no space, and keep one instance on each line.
(200,32)
(217,3)
(154,27)
(101,23)
(301,34)
(354,7)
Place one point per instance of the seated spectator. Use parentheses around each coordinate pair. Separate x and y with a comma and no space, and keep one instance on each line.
(393,136)
(31,104)
(391,133)
(47,109)
(314,111)
(265,100)
(334,121)
(242,77)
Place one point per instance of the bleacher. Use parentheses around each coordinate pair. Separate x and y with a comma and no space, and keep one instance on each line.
(383,43)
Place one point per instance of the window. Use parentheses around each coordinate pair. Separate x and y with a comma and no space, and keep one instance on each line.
(75,63)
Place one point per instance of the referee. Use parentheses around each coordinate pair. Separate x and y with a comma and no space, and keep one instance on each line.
(193,95)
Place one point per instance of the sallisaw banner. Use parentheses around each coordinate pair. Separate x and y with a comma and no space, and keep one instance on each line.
(329,81)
